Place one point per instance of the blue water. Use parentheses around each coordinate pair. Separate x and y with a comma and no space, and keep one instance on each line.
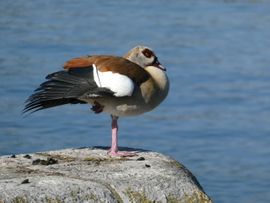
(216,117)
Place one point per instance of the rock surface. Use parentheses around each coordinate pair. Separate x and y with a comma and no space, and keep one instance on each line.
(90,175)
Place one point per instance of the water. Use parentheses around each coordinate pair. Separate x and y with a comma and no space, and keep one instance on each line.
(216,117)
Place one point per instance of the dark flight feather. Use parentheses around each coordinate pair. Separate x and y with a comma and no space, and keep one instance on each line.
(65,87)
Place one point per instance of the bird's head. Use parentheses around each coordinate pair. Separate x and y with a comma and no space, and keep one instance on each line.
(144,56)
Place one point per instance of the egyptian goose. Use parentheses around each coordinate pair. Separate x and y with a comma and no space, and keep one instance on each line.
(120,86)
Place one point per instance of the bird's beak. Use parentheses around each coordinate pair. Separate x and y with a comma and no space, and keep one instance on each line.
(158,65)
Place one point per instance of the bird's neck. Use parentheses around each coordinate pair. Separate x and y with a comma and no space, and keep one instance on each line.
(160,78)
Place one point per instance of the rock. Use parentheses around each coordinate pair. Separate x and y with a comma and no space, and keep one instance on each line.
(90,175)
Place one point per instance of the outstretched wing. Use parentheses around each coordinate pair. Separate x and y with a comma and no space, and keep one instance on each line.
(64,87)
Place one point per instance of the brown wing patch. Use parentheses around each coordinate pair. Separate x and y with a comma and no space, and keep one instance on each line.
(111,63)
(123,66)
(82,62)
(85,62)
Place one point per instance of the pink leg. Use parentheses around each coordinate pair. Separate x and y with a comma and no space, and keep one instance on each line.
(114,148)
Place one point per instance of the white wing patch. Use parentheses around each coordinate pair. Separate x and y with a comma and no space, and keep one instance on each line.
(120,84)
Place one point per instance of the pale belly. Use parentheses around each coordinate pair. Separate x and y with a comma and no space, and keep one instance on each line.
(123,107)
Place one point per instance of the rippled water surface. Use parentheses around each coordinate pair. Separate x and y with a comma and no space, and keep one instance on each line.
(216,117)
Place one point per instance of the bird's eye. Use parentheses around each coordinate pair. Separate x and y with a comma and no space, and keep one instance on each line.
(147,53)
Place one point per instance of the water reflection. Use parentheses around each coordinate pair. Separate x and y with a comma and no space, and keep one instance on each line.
(216,118)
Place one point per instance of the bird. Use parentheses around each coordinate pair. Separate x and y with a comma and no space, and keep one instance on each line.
(120,86)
